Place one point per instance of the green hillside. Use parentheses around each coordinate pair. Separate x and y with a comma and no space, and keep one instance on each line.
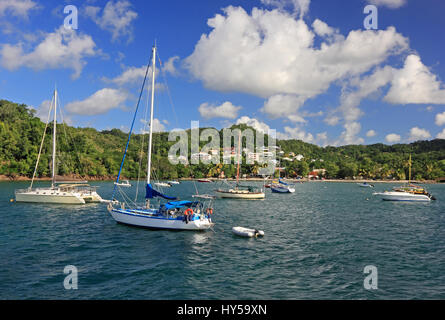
(86,152)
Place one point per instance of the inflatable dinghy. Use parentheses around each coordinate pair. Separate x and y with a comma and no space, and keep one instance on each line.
(246,232)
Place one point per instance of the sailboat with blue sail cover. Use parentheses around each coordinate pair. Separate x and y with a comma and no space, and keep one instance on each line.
(173,214)
(282,187)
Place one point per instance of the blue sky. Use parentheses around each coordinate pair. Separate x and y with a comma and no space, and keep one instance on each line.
(307,68)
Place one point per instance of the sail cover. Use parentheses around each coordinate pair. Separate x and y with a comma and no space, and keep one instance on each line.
(282,182)
(151,193)
(179,204)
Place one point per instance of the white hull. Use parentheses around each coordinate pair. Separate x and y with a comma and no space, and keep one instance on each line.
(282,189)
(241,195)
(162,184)
(402,196)
(131,217)
(92,197)
(49,196)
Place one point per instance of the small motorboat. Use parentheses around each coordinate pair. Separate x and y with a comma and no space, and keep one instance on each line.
(365,185)
(204,180)
(247,232)
(406,193)
(173,182)
(163,184)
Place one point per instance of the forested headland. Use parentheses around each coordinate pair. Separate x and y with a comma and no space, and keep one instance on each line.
(88,153)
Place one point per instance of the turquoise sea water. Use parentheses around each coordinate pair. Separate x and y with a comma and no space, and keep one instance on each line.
(317,243)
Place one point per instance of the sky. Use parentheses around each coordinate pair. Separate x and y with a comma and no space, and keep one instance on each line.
(310,69)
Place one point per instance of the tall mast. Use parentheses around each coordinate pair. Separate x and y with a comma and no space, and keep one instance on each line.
(153,69)
(239,158)
(409,174)
(54,139)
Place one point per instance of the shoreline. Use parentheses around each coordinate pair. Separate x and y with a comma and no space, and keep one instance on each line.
(110,178)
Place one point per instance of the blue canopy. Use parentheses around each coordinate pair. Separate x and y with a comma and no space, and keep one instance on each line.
(178,204)
(151,193)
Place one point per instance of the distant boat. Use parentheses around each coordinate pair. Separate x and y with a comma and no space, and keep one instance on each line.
(408,192)
(62,193)
(205,180)
(173,182)
(163,184)
(125,183)
(281,187)
(172,215)
(239,191)
(365,185)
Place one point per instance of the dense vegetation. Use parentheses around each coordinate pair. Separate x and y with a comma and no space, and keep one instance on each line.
(86,152)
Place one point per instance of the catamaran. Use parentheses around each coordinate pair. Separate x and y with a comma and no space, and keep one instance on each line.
(240,191)
(174,214)
(74,192)
(408,192)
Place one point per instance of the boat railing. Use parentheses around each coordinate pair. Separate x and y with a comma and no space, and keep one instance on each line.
(33,190)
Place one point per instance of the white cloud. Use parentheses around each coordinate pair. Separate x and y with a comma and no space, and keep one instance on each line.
(284,105)
(417,133)
(415,83)
(130,75)
(99,103)
(392,4)
(169,66)
(440,119)
(300,7)
(157,126)
(117,17)
(326,32)
(332,120)
(351,99)
(268,53)
(42,111)
(349,135)
(441,135)
(254,123)
(17,7)
(295,133)
(392,138)
(63,48)
(226,110)
(371,133)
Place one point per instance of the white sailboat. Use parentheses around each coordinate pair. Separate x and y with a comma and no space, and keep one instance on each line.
(62,192)
(177,215)
(239,191)
(409,192)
